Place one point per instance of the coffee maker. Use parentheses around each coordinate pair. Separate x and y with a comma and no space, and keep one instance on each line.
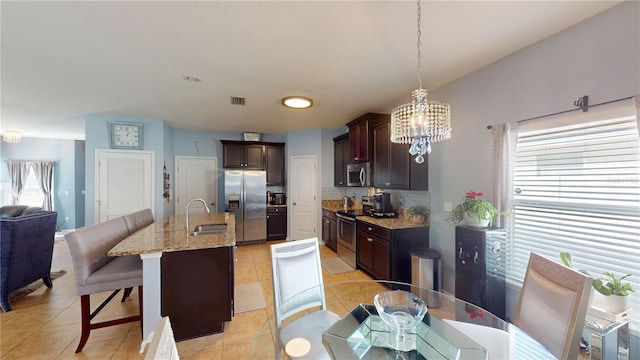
(382,205)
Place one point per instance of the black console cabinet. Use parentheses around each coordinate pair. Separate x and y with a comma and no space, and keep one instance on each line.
(480,267)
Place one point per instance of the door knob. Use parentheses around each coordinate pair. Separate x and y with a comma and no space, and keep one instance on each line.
(293,203)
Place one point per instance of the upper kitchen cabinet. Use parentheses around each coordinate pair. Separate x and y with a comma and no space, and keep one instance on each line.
(360,136)
(274,164)
(393,166)
(341,157)
(243,155)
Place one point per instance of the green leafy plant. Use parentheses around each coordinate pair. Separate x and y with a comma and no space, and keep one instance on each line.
(612,285)
(608,285)
(473,205)
(419,211)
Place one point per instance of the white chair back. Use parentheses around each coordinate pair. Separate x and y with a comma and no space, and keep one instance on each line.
(163,344)
(553,305)
(296,271)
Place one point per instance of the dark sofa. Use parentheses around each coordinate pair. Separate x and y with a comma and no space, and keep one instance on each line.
(26,249)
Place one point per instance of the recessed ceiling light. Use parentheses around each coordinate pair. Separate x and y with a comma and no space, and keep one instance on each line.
(297,102)
(191,78)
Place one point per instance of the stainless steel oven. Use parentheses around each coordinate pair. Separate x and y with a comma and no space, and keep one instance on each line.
(347,237)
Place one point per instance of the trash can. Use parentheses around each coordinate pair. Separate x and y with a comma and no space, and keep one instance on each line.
(426,273)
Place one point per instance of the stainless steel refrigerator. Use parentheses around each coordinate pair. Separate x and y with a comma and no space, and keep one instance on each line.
(245,194)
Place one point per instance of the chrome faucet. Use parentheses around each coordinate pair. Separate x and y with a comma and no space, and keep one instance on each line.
(189,204)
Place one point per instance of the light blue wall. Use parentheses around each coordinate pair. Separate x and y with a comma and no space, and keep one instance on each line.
(66,172)
(308,142)
(97,137)
(328,155)
(598,57)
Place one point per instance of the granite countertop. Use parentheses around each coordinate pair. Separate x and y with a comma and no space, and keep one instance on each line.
(400,222)
(273,206)
(170,235)
(391,223)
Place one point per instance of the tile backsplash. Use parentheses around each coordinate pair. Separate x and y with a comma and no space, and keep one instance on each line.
(410,198)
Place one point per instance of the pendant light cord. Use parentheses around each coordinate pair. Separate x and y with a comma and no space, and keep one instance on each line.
(419,46)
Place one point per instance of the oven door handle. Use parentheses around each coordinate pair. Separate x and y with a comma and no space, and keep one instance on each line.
(346,218)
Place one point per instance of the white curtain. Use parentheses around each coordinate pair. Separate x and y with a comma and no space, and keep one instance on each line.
(18,173)
(504,144)
(44,174)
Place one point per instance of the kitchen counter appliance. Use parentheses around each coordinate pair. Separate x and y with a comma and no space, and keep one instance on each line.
(277,198)
(347,235)
(378,205)
(359,174)
(244,195)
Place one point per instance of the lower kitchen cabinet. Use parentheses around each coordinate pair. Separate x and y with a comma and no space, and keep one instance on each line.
(373,255)
(276,222)
(330,229)
(197,305)
(386,253)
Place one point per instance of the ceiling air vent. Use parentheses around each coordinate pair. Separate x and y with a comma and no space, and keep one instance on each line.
(237,100)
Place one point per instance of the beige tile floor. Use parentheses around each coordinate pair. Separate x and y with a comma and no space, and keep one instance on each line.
(46,323)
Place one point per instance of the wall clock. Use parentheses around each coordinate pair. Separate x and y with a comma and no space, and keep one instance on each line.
(126,135)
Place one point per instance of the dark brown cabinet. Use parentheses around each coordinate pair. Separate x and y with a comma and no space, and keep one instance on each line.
(360,136)
(209,303)
(393,166)
(373,250)
(274,164)
(386,253)
(341,157)
(330,229)
(242,155)
(276,222)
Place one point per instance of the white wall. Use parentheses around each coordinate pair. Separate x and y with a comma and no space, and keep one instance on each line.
(599,57)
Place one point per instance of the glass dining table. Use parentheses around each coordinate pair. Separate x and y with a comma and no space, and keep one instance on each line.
(451,329)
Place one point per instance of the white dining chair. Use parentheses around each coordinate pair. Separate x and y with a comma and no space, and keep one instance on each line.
(162,344)
(553,305)
(298,286)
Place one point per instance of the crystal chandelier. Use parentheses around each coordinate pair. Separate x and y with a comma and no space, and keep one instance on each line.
(11,136)
(420,122)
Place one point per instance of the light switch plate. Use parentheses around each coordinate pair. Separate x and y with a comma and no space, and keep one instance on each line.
(448,206)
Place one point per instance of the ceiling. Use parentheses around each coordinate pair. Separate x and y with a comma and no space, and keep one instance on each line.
(62,60)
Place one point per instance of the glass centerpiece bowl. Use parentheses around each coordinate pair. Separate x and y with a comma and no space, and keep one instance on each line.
(402,311)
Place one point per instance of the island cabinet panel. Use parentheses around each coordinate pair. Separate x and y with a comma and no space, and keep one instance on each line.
(276,223)
(341,158)
(330,229)
(393,166)
(274,164)
(197,290)
(386,253)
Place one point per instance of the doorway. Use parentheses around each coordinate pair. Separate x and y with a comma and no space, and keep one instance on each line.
(196,177)
(303,195)
(124,183)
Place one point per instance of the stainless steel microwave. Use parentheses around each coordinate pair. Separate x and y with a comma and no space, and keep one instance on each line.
(359,174)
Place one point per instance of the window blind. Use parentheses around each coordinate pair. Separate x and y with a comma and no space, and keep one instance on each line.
(577,189)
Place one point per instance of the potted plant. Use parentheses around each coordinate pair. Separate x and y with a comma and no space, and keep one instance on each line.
(612,288)
(615,290)
(474,210)
(418,214)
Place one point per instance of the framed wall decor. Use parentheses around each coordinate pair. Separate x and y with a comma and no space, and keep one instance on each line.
(126,135)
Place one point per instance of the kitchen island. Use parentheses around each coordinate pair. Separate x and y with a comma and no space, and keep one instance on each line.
(186,277)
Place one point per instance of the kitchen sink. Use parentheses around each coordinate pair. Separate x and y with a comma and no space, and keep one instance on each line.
(210,229)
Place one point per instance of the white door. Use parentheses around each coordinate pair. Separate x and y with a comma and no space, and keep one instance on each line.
(124,183)
(303,191)
(196,177)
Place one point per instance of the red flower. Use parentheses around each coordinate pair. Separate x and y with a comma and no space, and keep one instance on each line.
(473,195)
(473,311)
